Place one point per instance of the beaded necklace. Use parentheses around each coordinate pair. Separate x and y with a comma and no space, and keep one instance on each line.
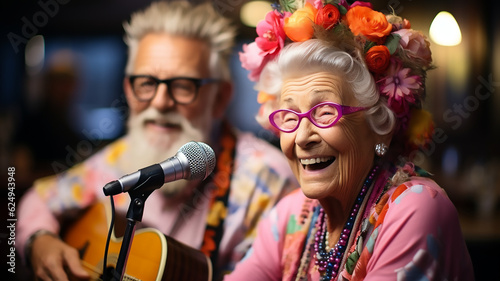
(329,260)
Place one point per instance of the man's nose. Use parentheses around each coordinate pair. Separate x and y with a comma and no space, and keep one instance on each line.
(162,100)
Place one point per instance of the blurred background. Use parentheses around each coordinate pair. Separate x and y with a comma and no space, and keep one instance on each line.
(61,99)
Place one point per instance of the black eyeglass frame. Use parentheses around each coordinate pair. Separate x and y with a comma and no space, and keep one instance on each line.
(198,82)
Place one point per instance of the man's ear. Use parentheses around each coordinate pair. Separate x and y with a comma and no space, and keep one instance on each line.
(224,96)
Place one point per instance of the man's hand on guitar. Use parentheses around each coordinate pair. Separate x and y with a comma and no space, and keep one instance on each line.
(52,259)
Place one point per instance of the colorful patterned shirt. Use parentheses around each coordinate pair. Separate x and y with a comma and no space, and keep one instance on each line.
(261,176)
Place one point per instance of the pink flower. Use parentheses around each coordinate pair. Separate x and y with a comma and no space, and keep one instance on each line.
(416,45)
(401,109)
(271,34)
(361,3)
(268,45)
(252,59)
(356,3)
(344,3)
(400,87)
(318,4)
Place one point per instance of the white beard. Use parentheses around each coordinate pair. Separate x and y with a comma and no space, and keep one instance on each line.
(148,148)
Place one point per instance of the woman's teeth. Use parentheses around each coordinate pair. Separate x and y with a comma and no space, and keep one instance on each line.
(315,160)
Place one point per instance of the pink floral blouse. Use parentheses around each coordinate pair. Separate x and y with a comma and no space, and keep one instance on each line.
(414,235)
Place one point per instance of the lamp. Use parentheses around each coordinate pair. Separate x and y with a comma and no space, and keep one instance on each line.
(444,30)
(254,11)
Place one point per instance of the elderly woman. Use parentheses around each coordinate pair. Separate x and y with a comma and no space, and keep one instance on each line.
(345,96)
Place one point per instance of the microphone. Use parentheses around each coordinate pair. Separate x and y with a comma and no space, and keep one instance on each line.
(193,161)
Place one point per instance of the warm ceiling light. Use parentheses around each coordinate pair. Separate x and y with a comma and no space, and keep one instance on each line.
(444,30)
(254,11)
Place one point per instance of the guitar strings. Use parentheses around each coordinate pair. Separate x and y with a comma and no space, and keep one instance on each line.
(92,268)
(95,272)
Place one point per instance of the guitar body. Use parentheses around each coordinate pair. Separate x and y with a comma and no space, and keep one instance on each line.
(152,255)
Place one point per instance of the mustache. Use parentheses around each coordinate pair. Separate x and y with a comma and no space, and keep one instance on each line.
(152,114)
(168,117)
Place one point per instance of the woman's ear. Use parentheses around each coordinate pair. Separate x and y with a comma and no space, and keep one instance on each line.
(383,143)
(224,95)
(386,139)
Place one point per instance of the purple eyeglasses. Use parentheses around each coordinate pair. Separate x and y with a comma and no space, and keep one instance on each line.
(322,115)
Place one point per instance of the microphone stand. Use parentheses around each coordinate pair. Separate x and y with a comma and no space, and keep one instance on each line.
(151,180)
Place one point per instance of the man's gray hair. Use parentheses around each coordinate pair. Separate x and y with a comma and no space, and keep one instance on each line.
(184,19)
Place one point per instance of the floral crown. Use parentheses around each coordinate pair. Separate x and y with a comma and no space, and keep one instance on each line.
(396,55)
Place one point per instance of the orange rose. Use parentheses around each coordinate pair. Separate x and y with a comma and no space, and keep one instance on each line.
(327,16)
(378,58)
(372,24)
(299,26)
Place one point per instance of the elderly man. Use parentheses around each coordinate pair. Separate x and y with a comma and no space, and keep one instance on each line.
(177,86)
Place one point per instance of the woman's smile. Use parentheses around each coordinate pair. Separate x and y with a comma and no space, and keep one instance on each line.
(316,163)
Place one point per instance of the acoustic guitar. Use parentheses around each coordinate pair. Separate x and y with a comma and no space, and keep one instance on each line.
(152,256)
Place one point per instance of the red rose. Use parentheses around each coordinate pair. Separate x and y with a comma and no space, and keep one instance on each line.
(378,58)
(327,16)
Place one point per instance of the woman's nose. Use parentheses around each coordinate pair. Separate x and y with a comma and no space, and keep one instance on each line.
(306,133)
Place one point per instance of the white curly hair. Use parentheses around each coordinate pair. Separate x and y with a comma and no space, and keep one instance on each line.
(314,55)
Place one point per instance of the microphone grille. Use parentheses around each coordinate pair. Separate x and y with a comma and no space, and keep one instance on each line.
(201,159)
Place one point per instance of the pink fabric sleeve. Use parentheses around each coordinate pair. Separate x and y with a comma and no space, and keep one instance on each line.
(33,215)
(420,238)
(263,260)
